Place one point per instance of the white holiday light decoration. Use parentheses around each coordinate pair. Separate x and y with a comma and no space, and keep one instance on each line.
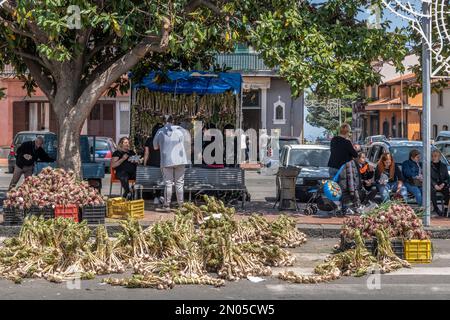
(331,105)
(439,14)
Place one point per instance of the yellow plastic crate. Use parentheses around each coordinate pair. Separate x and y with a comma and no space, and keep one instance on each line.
(113,202)
(418,251)
(122,209)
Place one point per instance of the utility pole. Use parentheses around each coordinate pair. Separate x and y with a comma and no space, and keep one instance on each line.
(426,112)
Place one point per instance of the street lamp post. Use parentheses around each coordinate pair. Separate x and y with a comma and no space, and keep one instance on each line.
(426,112)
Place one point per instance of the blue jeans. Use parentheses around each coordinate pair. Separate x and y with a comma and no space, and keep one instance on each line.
(416,191)
(386,189)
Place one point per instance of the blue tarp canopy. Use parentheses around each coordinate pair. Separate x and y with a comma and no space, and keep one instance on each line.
(199,82)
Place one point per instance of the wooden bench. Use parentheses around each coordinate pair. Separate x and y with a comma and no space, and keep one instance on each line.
(196,179)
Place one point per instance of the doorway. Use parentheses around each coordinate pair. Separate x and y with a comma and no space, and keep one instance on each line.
(102,120)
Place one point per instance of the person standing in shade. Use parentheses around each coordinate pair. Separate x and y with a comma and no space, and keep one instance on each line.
(152,158)
(27,154)
(439,182)
(171,140)
(341,149)
(125,168)
(342,152)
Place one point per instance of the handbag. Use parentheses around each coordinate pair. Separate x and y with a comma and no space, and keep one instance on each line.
(415,182)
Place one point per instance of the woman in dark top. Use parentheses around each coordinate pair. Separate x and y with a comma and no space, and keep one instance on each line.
(366,171)
(366,174)
(152,157)
(389,178)
(341,149)
(439,182)
(124,166)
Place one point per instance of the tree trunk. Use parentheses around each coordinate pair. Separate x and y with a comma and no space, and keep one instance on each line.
(69,156)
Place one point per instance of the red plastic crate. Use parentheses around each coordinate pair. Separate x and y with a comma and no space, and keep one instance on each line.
(70,212)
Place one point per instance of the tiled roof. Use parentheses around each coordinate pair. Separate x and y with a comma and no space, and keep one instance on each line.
(410,77)
(388,103)
(242,61)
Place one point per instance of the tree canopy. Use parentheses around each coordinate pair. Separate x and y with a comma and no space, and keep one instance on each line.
(323,46)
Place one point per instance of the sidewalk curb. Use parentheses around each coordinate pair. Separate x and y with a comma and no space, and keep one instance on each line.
(311,230)
(333,231)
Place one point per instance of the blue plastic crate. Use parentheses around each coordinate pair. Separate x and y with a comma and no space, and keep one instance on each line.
(41,165)
(95,170)
(2,197)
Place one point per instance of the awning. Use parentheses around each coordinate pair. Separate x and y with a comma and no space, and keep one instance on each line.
(199,82)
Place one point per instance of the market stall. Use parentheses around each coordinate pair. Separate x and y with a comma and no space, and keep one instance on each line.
(188,96)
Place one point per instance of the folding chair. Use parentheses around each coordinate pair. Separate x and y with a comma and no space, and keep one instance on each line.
(114,179)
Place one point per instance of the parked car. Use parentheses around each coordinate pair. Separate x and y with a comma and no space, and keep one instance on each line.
(271,163)
(92,171)
(372,139)
(50,145)
(282,141)
(313,160)
(104,148)
(399,149)
(398,139)
(323,141)
(444,148)
(443,136)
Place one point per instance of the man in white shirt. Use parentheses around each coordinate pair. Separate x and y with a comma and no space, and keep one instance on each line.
(171,141)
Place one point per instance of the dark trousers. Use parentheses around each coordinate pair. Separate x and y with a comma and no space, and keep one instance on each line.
(367,194)
(445,192)
(124,177)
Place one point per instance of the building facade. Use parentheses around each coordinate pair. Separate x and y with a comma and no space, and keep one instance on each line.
(267,101)
(110,116)
(395,113)
(387,108)
(440,112)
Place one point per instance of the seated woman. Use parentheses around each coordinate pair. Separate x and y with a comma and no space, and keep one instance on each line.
(412,172)
(366,175)
(125,169)
(389,178)
(439,182)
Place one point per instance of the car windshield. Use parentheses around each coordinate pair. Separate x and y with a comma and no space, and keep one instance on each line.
(50,141)
(401,154)
(287,142)
(443,138)
(378,138)
(309,157)
(101,145)
(444,148)
(21,138)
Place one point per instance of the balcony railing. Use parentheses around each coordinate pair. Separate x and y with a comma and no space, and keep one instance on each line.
(242,62)
(8,71)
